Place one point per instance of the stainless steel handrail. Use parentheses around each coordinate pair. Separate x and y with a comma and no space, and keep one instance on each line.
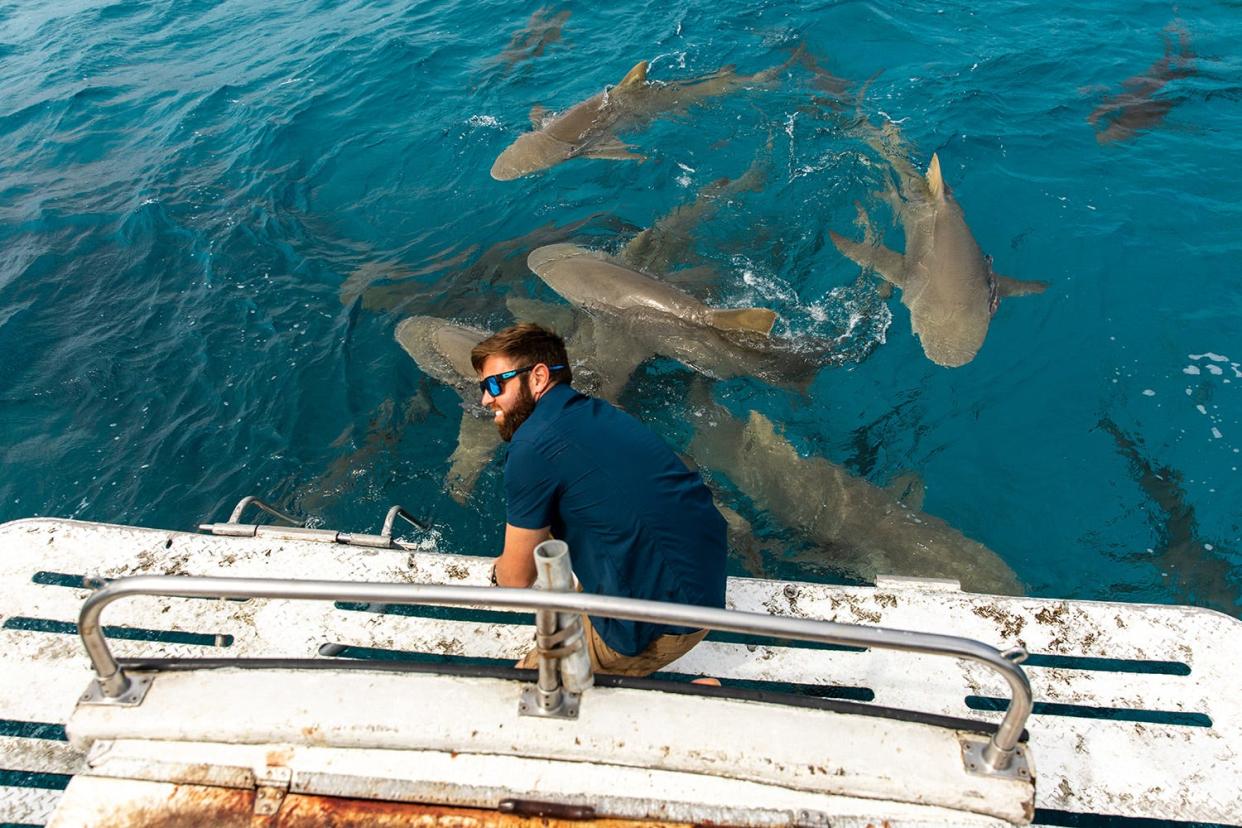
(113,682)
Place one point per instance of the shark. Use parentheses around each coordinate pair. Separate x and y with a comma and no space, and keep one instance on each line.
(946,280)
(371,463)
(441,349)
(589,129)
(861,530)
(1126,114)
(635,316)
(387,288)
(1198,573)
(541,30)
(668,243)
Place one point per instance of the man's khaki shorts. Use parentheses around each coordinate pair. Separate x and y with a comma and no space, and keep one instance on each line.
(604,659)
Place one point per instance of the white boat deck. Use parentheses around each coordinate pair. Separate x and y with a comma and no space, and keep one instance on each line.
(1137,706)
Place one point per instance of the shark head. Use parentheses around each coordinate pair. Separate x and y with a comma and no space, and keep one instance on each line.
(530,153)
(578,274)
(441,348)
(952,341)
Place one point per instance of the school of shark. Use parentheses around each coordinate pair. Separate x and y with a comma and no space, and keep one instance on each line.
(652,296)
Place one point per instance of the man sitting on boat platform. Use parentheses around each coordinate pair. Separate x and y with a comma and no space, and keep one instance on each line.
(638,522)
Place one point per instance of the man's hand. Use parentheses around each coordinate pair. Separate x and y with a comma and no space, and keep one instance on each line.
(516,565)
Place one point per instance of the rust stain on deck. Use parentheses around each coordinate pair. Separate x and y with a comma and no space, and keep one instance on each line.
(194,805)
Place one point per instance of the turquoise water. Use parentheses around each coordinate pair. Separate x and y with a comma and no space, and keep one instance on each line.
(213,215)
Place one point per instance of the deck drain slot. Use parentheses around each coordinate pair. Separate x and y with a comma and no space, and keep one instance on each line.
(45,625)
(1082,711)
(33,730)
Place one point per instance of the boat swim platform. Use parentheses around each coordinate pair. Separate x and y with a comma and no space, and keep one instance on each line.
(1136,715)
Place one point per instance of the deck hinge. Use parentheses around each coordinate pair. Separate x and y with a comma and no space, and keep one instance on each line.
(271,783)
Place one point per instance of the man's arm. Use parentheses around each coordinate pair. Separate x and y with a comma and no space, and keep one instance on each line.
(516,565)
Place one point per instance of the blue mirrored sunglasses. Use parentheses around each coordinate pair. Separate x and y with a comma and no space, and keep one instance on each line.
(493,384)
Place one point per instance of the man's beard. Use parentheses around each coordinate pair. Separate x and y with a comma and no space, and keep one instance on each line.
(517,415)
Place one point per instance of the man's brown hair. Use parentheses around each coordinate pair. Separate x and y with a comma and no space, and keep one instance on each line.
(527,344)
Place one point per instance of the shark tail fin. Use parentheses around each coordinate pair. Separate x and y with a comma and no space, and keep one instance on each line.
(635,76)
(755,320)
(800,54)
(934,182)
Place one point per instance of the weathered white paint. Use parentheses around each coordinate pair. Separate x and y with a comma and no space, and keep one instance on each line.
(811,750)
(482,780)
(1085,765)
(91,800)
(39,755)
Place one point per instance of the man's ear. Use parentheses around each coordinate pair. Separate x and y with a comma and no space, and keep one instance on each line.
(539,378)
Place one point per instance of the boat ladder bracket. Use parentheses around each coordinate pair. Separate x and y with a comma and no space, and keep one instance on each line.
(136,687)
(973,748)
(271,784)
(298,530)
(535,702)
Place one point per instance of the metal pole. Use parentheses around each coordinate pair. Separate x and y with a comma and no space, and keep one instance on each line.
(550,697)
(555,572)
(114,682)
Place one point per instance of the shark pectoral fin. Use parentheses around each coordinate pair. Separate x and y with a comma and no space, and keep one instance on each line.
(476,443)
(559,318)
(934,182)
(696,280)
(635,76)
(1016,287)
(888,263)
(742,541)
(537,113)
(908,489)
(756,320)
(613,150)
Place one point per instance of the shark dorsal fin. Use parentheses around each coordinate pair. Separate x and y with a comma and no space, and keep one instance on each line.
(755,320)
(934,182)
(537,114)
(636,76)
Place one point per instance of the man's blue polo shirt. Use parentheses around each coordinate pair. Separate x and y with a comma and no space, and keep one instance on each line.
(639,524)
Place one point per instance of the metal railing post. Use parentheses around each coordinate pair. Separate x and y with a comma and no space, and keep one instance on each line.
(555,572)
(560,645)
(549,697)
